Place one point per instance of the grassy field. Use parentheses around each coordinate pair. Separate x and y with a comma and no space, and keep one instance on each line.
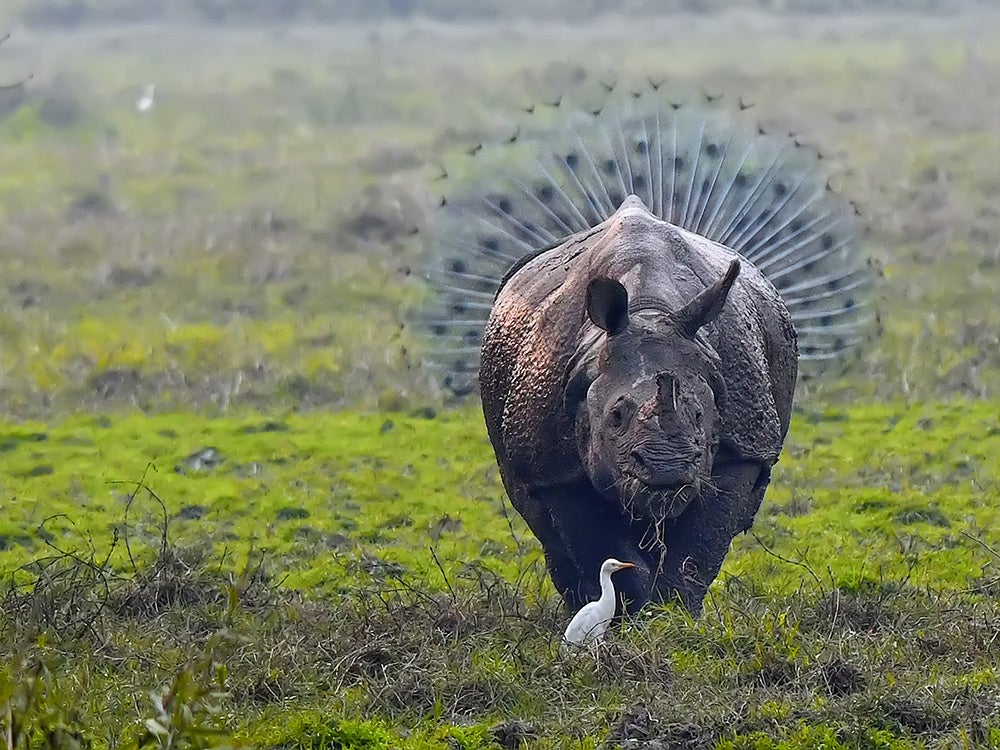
(236,511)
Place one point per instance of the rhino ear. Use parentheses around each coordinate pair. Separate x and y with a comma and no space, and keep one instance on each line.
(706,306)
(607,305)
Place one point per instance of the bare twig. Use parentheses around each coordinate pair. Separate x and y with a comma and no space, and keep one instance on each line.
(797,563)
(444,575)
(981,543)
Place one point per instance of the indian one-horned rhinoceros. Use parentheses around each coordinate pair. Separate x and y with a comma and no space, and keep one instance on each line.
(637,383)
(634,293)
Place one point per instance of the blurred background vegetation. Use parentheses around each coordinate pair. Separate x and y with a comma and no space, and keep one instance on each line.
(73,12)
(252,238)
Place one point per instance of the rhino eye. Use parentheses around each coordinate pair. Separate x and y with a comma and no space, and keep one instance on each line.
(619,414)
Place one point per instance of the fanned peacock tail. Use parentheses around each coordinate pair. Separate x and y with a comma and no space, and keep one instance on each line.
(697,164)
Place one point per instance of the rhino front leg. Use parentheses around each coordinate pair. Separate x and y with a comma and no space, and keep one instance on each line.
(697,544)
(589,531)
(562,568)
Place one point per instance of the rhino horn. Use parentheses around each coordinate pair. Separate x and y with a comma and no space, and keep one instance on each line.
(708,304)
(666,391)
(607,305)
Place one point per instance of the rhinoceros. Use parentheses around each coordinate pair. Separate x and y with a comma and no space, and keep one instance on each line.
(633,302)
(637,385)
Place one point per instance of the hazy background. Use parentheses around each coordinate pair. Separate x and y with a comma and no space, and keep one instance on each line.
(73,12)
(250,238)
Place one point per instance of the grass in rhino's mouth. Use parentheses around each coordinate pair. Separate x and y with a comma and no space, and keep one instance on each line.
(642,500)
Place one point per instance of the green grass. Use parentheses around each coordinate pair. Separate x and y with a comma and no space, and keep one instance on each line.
(350,574)
(308,492)
(862,495)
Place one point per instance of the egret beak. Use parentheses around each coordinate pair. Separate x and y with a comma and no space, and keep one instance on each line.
(625,565)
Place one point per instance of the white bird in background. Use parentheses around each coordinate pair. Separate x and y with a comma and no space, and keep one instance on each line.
(147,100)
(590,623)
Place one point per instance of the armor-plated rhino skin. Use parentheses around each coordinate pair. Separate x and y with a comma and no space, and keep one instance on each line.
(637,385)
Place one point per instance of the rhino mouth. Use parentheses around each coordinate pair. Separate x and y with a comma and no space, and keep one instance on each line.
(660,502)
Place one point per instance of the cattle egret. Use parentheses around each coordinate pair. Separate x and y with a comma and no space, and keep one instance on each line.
(148,98)
(590,623)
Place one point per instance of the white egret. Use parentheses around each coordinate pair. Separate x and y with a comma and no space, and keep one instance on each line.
(148,98)
(590,623)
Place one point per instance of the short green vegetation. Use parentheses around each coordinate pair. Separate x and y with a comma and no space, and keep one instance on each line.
(346,580)
(863,496)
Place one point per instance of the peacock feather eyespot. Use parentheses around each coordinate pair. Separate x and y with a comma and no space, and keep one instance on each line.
(545,193)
